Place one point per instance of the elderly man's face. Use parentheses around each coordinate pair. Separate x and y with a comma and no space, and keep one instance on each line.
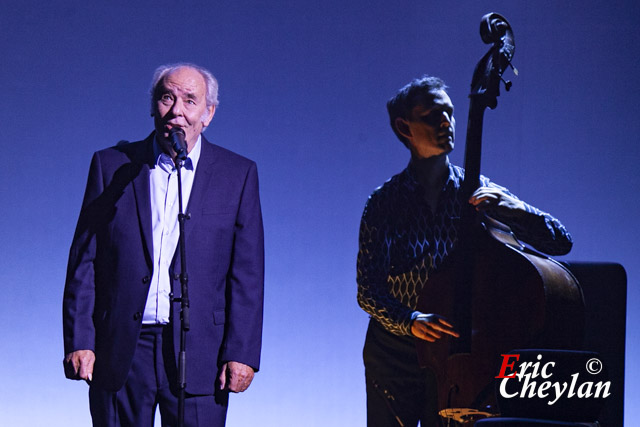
(180,101)
(431,128)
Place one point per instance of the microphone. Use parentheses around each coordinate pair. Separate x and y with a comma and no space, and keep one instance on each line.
(178,144)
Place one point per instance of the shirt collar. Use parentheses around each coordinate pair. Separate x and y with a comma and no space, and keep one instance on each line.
(452,180)
(164,161)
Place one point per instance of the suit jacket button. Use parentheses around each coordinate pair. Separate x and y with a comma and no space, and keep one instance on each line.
(137,316)
(146,279)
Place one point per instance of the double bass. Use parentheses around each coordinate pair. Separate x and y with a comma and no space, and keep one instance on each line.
(499,293)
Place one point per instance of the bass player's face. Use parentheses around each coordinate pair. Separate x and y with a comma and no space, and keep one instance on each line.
(431,128)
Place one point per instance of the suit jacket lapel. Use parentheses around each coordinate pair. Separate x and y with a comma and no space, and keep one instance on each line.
(142,194)
(201,183)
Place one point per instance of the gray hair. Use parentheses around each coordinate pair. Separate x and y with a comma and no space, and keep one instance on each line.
(165,70)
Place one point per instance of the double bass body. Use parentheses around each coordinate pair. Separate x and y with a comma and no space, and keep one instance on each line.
(518,299)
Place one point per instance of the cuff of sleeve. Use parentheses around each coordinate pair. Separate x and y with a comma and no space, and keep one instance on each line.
(405,326)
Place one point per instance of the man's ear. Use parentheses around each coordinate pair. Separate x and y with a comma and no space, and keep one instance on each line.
(208,115)
(402,126)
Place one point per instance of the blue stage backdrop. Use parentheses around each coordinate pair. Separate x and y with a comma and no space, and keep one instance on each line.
(303,86)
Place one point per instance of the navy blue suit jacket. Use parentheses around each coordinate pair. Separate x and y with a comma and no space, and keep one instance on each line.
(110,264)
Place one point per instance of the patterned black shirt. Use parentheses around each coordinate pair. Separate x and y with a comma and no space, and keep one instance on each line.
(402,241)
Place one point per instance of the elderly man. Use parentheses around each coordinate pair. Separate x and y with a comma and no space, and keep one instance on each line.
(121,309)
(408,228)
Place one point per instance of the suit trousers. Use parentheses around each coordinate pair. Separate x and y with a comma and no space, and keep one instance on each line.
(152,383)
(399,391)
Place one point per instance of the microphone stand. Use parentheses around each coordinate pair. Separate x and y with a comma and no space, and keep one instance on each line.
(184,295)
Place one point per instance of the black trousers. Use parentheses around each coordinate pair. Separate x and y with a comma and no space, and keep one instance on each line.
(399,392)
(152,383)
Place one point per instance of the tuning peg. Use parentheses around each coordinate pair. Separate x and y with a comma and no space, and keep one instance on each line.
(515,70)
(507,84)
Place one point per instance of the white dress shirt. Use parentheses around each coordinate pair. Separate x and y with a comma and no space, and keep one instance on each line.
(163,179)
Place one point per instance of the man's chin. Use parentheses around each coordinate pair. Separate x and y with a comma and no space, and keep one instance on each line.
(447,147)
(162,135)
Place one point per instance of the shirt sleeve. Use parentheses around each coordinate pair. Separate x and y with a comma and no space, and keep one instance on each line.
(373,267)
(536,228)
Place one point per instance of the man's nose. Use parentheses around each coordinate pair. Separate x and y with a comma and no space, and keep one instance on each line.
(446,119)
(177,107)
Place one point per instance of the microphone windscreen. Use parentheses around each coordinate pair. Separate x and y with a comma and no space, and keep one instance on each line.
(178,143)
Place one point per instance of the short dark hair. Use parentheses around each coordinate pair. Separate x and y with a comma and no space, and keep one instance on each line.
(417,92)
